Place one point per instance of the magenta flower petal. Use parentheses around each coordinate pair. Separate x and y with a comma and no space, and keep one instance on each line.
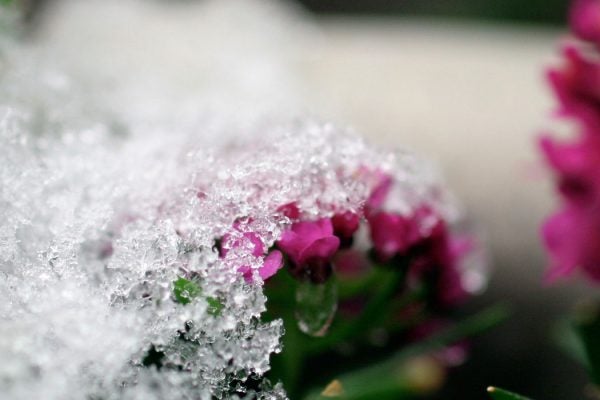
(345,224)
(577,86)
(291,244)
(563,237)
(302,236)
(379,194)
(390,234)
(310,245)
(272,263)
(320,249)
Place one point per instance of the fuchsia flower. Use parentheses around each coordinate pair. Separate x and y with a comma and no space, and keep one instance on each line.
(344,226)
(271,263)
(577,86)
(584,19)
(433,254)
(310,245)
(438,256)
(572,235)
(391,233)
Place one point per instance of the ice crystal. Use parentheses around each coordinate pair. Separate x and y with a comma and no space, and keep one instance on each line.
(111,211)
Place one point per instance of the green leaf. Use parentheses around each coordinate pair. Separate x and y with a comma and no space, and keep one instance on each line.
(501,394)
(214,306)
(395,376)
(565,336)
(185,290)
(372,315)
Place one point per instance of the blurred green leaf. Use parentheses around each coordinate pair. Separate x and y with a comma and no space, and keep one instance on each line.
(587,326)
(501,394)
(567,339)
(374,313)
(393,377)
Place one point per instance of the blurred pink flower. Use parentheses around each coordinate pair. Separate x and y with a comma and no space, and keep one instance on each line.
(310,245)
(433,253)
(451,355)
(437,258)
(344,226)
(572,238)
(576,165)
(380,192)
(391,234)
(584,18)
(572,235)
(577,85)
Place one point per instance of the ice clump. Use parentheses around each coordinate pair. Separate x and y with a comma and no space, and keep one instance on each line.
(105,202)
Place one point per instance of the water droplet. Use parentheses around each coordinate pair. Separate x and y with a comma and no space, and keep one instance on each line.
(316,305)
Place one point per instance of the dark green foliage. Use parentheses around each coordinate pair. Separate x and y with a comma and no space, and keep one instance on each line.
(501,394)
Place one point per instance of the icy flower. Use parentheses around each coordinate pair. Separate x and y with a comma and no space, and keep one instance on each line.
(391,233)
(434,254)
(584,18)
(290,210)
(271,263)
(310,245)
(380,192)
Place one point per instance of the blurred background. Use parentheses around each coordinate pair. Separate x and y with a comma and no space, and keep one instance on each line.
(533,11)
(459,81)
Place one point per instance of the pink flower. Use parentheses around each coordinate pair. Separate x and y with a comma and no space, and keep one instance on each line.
(391,234)
(310,247)
(271,263)
(572,238)
(437,258)
(380,192)
(572,235)
(344,226)
(584,18)
(433,255)
(577,86)
(576,165)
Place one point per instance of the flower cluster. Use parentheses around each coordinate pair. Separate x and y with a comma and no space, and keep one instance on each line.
(419,242)
(572,234)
